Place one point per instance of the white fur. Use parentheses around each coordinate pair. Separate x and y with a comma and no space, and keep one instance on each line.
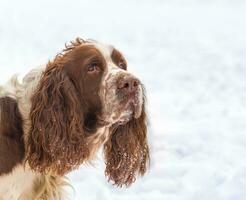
(18,184)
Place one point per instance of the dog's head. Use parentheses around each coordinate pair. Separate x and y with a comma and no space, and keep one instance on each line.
(86,98)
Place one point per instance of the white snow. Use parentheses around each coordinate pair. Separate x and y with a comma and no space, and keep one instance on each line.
(191,55)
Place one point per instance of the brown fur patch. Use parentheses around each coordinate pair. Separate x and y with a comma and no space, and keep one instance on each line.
(11,133)
(127,152)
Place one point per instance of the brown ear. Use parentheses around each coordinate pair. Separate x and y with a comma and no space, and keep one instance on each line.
(127,152)
(56,139)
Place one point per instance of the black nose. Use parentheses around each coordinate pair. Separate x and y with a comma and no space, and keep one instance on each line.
(128,84)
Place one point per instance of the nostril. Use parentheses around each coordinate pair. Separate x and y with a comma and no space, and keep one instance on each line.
(126,85)
(135,83)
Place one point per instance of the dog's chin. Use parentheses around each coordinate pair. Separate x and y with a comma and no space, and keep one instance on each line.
(132,109)
(125,117)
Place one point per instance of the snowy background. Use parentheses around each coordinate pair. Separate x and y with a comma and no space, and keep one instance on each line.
(191,55)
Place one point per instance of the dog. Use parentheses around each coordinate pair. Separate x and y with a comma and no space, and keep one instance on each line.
(60,114)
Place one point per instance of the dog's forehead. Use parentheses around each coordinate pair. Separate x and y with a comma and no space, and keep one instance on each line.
(105,49)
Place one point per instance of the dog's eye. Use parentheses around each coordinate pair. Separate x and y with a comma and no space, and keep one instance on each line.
(93,67)
(122,65)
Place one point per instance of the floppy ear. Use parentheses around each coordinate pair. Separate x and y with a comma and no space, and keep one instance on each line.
(127,151)
(56,140)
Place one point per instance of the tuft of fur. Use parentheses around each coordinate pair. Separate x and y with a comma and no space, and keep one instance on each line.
(51,187)
(127,152)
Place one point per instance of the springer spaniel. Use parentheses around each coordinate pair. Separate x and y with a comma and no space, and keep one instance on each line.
(60,115)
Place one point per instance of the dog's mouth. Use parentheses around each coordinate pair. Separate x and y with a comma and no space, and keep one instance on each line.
(131,108)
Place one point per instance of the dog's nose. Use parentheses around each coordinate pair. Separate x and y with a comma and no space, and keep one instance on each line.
(128,84)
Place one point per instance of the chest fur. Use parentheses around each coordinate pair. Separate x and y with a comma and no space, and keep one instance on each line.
(17,185)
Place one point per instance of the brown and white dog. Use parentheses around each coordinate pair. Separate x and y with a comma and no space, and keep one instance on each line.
(61,114)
